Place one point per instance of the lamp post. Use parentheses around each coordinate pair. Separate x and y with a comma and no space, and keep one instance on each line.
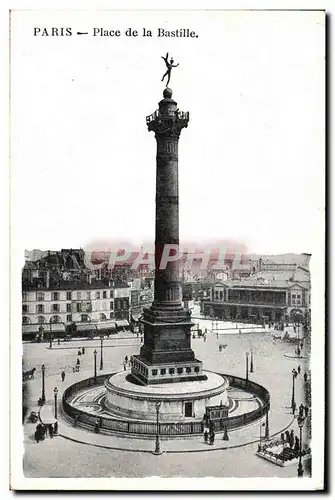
(247,366)
(267,432)
(301,421)
(55,395)
(43,384)
(50,340)
(157,450)
(101,353)
(251,361)
(293,393)
(95,365)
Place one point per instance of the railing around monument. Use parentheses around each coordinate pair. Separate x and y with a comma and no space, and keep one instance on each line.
(110,424)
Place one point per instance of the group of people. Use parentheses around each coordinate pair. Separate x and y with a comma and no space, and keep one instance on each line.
(42,430)
(291,440)
(209,436)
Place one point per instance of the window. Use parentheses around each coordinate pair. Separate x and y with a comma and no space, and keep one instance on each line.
(84,317)
(69,318)
(88,295)
(171,371)
(111,315)
(79,307)
(102,316)
(40,308)
(104,306)
(111,294)
(216,295)
(55,296)
(221,295)
(293,296)
(179,370)
(104,295)
(111,305)
(163,371)
(55,307)
(25,308)
(154,372)
(25,296)
(25,320)
(68,308)
(78,295)
(68,296)
(188,409)
(55,319)
(40,320)
(196,369)
(39,296)
(97,295)
(188,369)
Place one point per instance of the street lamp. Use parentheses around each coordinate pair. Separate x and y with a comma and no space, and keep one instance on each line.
(158,450)
(43,384)
(247,366)
(95,365)
(293,381)
(101,353)
(251,361)
(50,340)
(55,395)
(301,421)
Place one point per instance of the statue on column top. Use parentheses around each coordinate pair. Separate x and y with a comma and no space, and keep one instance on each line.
(169,66)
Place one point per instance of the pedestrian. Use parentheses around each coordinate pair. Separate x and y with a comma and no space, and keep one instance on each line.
(301,410)
(78,362)
(63,375)
(306,411)
(58,342)
(212,437)
(83,350)
(79,352)
(296,444)
(225,435)
(73,369)
(295,373)
(126,359)
(96,427)
(287,436)
(124,366)
(305,377)
(51,431)
(56,427)
(282,437)
(206,436)
(299,369)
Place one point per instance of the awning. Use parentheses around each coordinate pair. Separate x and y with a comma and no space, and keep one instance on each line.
(122,322)
(104,325)
(85,327)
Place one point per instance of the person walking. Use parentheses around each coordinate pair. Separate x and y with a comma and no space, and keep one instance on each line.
(83,350)
(78,362)
(126,359)
(51,430)
(206,436)
(301,410)
(305,377)
(63,375)
(299,369)
(56,427)
(124,366)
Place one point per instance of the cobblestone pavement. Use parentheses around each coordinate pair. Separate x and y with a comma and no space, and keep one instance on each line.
(60,457)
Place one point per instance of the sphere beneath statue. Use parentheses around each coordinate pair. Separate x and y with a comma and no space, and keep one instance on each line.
(167,94)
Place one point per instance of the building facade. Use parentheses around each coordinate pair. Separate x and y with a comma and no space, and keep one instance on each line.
(258,301)
(90,307)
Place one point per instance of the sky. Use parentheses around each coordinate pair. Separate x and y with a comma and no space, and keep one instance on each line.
(251,162)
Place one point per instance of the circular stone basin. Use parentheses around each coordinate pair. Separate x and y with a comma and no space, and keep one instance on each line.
(180,401)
